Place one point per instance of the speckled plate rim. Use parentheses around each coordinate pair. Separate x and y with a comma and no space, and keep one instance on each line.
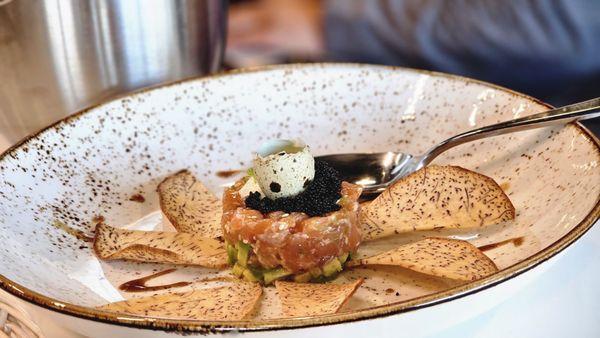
(278,324)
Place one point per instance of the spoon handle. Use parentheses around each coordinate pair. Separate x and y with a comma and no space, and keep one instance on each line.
(558,116)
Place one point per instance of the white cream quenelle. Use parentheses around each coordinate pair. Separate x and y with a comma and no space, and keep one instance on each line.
(283,168)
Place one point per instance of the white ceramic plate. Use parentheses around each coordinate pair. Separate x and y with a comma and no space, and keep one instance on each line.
(91,163)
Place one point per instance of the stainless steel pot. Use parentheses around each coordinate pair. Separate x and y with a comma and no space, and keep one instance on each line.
(58,56)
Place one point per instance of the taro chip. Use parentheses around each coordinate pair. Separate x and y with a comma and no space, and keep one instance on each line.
(436,197)
(442,257)
(111,243)
(236,301)
(313,299)
(190,206)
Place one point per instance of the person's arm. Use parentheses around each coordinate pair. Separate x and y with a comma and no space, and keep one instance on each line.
(517,43)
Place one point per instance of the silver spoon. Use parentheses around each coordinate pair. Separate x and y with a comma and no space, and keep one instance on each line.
(377,171)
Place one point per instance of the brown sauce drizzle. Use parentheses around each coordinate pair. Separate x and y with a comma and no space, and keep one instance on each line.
(139,285)
(73,232)
(515,241)
(137,198)
(98,219)
(227,173)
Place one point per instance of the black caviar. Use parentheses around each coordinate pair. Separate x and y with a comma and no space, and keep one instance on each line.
(319,197)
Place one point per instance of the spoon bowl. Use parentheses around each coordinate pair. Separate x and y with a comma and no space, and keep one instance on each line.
(373,171)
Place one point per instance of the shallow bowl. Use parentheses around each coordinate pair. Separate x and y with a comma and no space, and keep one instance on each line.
(55,185)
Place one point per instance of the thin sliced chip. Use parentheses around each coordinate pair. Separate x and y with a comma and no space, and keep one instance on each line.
(442,257)
(312,299)
(236,301)
(436,197)
(158,247)
(190,206)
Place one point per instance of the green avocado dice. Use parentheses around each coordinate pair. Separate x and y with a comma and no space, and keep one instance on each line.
(332,267)
(231,254)
(303,277)
(272,275)
(237,270)
(315,272)
(243,252)
(250,276)
(343,258)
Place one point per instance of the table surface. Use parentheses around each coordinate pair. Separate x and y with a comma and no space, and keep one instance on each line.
(564,301)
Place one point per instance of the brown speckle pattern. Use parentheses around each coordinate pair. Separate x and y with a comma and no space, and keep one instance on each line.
(436,197)
(90,165)
(159,247)
(443,257)
(190,206)
(309,299)
(232,302)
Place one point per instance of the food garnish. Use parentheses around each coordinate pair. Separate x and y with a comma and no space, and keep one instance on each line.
(319,197)
(283,168)
(235,301)
(111,243)
(308,299)
(189,205)
(436,197)
(442,257)
(304,237)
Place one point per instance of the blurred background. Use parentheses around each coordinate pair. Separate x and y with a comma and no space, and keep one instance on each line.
(60,56)
(548,49)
